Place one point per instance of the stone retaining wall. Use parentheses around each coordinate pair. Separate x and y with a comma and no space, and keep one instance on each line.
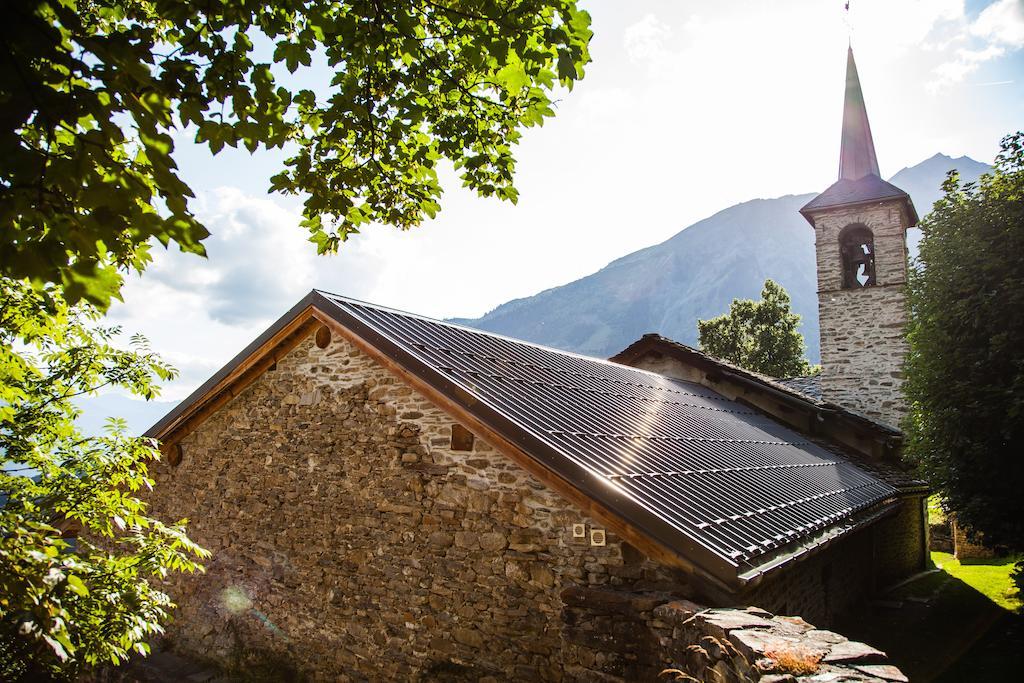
(969,544)
(616,636)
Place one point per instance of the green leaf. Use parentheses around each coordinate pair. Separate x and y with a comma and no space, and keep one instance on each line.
(566,67)
(76,585)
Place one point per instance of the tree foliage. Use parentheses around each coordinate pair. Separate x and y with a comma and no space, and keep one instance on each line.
(758,335)
(92,91)
(78,553)
(93,95)
(965,368)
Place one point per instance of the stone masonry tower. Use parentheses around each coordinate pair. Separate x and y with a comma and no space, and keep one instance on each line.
(860,225)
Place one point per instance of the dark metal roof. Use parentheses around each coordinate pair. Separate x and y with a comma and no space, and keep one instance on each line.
(702,470)
(866,190)
(656,342)
(808,386)
(860,181)
(857,150)
(885,466)
(724,486)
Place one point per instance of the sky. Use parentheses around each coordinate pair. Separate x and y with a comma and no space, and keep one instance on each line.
(687,108)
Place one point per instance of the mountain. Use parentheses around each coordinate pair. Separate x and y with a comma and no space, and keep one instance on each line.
(695,274)
(924,184)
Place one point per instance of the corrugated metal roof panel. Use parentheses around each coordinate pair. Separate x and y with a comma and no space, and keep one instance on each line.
(711,470)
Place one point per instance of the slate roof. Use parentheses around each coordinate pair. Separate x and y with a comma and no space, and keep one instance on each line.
(808,386)
(865,190)
(719,483)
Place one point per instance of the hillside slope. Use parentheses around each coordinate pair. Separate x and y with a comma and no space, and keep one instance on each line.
(695,274)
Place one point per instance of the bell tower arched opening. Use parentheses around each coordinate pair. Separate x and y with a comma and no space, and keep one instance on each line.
(857,253)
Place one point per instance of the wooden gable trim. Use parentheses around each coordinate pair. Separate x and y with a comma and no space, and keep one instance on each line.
(236,381)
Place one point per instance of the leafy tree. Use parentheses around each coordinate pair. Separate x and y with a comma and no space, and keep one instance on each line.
(91,94)
(758,335)
(78,554)
(92,90)
(965,368)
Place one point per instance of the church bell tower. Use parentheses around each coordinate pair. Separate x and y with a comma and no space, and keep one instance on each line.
(860,226)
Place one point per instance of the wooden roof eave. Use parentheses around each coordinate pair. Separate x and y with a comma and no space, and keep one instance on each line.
(238,373)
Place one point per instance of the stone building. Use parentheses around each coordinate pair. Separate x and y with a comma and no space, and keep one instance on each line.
(392,497)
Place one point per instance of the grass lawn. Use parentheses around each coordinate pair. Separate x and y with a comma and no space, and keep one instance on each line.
(989,577)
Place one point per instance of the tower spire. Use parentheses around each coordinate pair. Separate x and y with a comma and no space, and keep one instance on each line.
(859,179)
(857,153)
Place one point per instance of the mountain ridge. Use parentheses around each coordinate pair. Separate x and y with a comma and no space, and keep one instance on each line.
(697,272)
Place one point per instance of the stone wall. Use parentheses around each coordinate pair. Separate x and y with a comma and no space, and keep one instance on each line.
(354,540)
(351,542)
(619,636)
(968,544)
(862,330)
(901,546)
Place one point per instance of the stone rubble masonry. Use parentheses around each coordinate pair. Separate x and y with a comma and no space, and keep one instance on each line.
(968,544)
(350,542)
(862,330)
(618,636)
(839,578)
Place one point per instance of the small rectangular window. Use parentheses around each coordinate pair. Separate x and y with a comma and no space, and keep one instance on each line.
(462,438)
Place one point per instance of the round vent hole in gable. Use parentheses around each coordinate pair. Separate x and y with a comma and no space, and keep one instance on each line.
(323,337)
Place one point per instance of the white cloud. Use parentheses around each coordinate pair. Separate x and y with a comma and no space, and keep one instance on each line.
(891,29)
(686,109)
(260,261)
(256,263)
(966,62)
(997,30)
(200,312)
(646,39)
(1002,22)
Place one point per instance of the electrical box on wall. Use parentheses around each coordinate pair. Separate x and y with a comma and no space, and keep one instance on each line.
(579,530)
(597,537)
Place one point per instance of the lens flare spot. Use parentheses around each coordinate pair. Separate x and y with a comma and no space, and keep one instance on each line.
(235,599)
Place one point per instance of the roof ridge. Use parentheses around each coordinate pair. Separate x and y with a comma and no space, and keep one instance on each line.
(489,333)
